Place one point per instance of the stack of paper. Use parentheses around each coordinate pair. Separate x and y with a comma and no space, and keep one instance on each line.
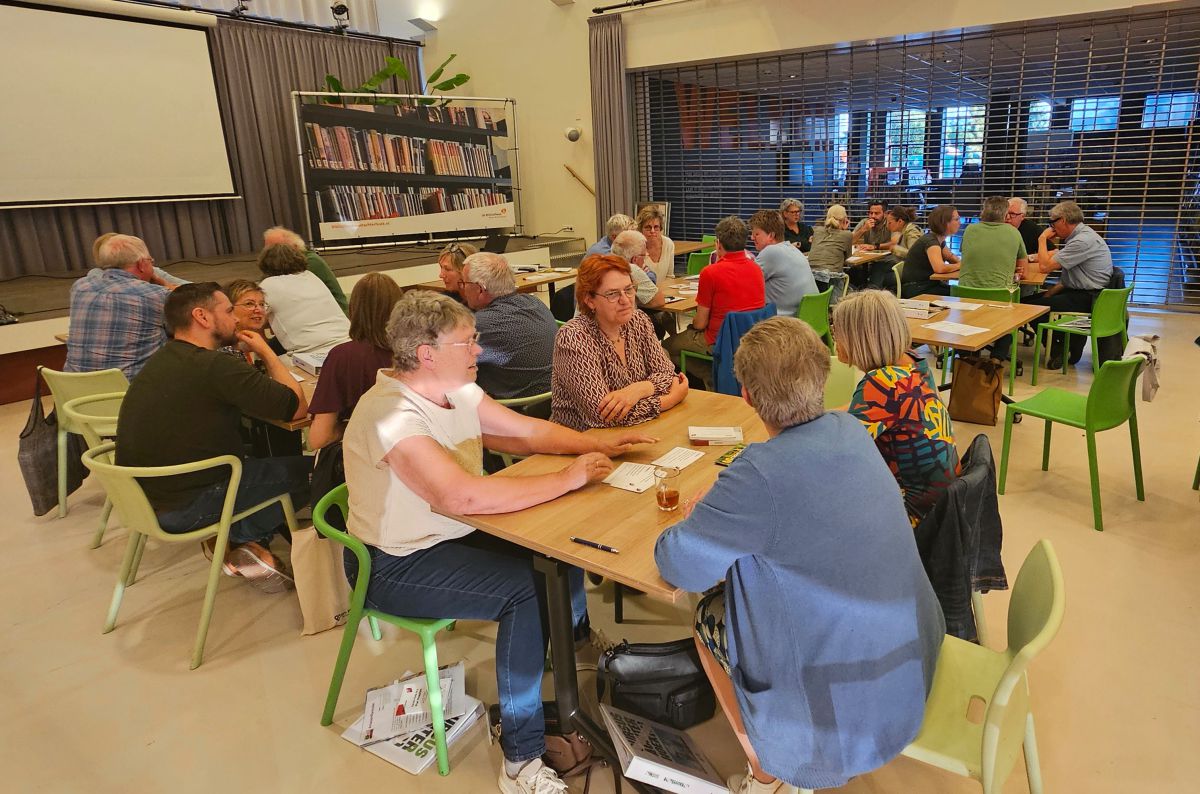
(714,436)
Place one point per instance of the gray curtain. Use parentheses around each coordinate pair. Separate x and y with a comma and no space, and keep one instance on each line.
(256,67)
(610,118)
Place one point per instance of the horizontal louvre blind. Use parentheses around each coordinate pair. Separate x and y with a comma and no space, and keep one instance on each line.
(1104,112)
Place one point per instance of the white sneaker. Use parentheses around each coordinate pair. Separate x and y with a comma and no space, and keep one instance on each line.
(535,778)
(744,783)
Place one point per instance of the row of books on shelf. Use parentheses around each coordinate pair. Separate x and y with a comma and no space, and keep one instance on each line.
(372,202)
(351,149)
(483,118)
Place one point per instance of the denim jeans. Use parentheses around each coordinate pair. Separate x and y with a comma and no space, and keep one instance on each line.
(480,577)
(262,478)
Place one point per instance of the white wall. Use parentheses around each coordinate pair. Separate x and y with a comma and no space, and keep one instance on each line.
(537,52)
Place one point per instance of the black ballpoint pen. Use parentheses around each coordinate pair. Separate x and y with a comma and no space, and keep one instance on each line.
(594,545)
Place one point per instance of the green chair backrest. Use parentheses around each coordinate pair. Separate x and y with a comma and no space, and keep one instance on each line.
(840,385)
(522,402)
(339,498)
(66,386)
(1035,613)
(999,294)
(1111,398)
(708,238)
(94,417)
(697,262)
(898,270)
(814,310)
(1108,311)
(122,486)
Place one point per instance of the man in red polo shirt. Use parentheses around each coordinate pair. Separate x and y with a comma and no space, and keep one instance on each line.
(734,283)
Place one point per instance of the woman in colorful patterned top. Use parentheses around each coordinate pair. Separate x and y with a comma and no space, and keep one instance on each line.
(896,400)
(609,368)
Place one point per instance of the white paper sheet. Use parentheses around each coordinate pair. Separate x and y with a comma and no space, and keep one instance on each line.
(959,306)
(679,458)
(636,477)
(714,436)
(954,329)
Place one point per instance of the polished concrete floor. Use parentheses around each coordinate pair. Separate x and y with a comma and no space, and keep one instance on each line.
(1116,696)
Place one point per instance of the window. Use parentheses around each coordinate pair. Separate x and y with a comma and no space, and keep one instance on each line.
(1169,110)
(1090,114)
(905,135)
(962,139)
(829,139)
(1039,116)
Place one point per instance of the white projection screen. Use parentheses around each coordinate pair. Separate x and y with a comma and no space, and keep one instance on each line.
(104,109)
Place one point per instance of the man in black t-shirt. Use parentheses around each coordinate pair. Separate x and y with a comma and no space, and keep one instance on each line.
(186,405)
(1030,229)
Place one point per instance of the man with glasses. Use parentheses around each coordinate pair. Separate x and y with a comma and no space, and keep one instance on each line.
(1018,218)
(117,310)
(1086,264)
(516,330)
(734,283)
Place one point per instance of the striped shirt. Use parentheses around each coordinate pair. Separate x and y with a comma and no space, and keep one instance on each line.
(116,322)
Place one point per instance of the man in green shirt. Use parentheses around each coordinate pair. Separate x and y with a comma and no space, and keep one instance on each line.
(316,265)
(992,250)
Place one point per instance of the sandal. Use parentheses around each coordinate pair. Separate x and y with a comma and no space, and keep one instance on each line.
(266,576)
(207,546)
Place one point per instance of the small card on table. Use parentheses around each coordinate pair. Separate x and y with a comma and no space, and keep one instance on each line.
(679,458)
(636,477)
(714,436)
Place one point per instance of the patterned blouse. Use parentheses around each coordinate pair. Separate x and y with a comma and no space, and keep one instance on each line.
(911,426)
(586,368)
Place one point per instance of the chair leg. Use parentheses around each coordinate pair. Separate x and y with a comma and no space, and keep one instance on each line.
(618,602)
(429,647)
(1012,365)
(1094,473)
(119,591)
(137,560)
(210,597)
(339,667)
(1046,445)
(98,538)
(1033,770)
(980,619)
(1008,423)
(376,634)
(62,472)
(1137,456)
(1037,355)
(1196,479)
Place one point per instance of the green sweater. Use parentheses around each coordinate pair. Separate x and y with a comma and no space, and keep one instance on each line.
(989,255)
(317,266)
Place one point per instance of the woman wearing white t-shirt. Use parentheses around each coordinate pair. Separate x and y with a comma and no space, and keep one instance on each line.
(660,249)
(304,315)
(414,445)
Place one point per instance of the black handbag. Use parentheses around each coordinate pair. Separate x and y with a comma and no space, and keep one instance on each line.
(661,681)
(37,457)
(328,473)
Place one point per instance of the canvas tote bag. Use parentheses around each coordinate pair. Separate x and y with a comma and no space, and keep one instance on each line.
(37,456)
(976,389)
(321,584)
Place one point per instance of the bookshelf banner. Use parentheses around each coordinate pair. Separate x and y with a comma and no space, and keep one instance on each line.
(498,216)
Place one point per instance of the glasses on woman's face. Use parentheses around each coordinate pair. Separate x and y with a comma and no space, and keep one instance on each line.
(613,295)
(251,305)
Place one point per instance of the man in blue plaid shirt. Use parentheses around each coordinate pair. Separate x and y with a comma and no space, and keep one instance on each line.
(117,310)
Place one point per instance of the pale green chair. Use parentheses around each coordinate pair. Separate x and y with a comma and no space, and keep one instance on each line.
(121,484)
(696,262)
(427,630)
(95,417)
(1109,403)
(1108,319)
(814,310)
(999,295)
(898,272)
(969,674)
(66,386)
(840,385)
(523,404)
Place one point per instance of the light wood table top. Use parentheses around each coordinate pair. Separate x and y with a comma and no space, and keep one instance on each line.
(685,247)
(308,383)
(997,319)
(1030,280)
(865,257)
(687,301)
(526,282)
(626,521)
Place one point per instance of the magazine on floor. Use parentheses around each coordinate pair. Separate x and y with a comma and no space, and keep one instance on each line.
(402,707)
(415,752)
(659,755)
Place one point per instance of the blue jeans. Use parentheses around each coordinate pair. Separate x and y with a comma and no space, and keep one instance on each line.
(480,577)
(262,478)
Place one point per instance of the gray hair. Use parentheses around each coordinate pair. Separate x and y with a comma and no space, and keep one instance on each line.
(994,209)
(871,328)
(280,235)
(491,272)
(120,251)
(617,224)
(1022,205)
(417,319)
(783,365)
(1068,211)
(834,216)
(629,244)
(787,204)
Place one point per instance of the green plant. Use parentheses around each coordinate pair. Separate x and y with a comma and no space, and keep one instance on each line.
(449,84)
(395,68)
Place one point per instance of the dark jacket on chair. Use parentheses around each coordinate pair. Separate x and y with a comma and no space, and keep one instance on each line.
(959,540)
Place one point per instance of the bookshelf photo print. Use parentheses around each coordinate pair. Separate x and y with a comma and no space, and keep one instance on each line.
(398,169)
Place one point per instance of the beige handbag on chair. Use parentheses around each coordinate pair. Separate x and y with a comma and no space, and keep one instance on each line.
(321,582)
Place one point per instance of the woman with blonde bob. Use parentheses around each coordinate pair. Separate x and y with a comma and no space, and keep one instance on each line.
(832,242)
(896,400)
(812,704)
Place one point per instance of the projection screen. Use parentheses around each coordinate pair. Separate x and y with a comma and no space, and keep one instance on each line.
(103,109)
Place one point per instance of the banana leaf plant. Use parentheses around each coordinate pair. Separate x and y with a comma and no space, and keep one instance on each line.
(395,68)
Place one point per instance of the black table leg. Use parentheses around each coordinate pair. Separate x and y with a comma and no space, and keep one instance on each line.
(566,683)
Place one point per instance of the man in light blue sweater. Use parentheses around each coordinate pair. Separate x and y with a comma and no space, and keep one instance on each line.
(822,642)
(785,270)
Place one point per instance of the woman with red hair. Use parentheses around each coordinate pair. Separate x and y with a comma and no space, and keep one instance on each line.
(609,368)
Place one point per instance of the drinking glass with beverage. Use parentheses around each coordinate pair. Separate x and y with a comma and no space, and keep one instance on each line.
(666,488)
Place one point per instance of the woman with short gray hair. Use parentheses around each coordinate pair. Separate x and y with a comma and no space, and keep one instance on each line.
(414,456)
(795,230)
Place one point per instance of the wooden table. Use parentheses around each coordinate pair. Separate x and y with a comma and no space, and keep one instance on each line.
(526,282)
(1030,279)
(997,319)
(866,257)
(685,247)
(687,301)
(627,521)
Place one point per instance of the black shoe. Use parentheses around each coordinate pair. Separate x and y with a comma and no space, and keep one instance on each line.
(1073,359)
(1055,362)
(1020,369)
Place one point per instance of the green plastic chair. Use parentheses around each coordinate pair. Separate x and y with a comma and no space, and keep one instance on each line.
(708,238)
(1109,403)
(95,417)
(697,261)
(998,295)
(66,386)
(523,403)
(814,310)
(1108,319)
(121,484)
(968,673)
(840,385)
(898,271)
(427,630)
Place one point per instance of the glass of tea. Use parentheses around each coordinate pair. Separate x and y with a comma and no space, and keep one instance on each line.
(666,488)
